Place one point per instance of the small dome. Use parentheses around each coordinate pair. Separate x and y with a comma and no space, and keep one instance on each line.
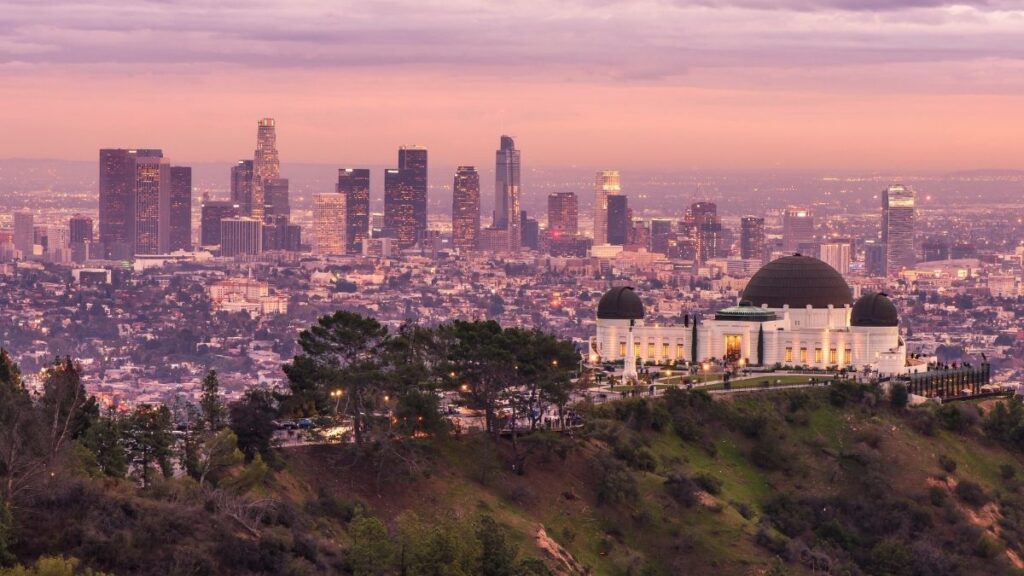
(798,281)
(620,303)
(874,309)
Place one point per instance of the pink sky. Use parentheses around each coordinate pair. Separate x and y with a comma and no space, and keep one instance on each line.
(809,84)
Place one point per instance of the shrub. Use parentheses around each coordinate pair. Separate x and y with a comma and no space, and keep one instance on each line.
(893,557)
(682,489)
(923,420)
(1007,471)
(971,493)
(898,396)
(958,418)
(947,463)
(708,483)
(615,484)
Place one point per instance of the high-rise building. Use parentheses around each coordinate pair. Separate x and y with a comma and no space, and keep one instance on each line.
(241,237)
(706,229)
(354,183)
(180,217)
(116,209)
(405,197)
(412,162)
(466,209)
(152,203)
(563,215)
(266,166)
(80,229)
(506,192)
(797,229)
(898,229)
(24,233)
(241,186)
(935,248)
(619,221)
(329,236)
(529,231)
(278,205)
(874,258)
(836,255)
(661,234)
(752,238)
(213,211)
(607,182)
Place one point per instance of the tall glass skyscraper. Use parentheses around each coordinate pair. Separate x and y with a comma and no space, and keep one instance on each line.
(752,238)
(506,192)
(563,215)
(797,229)
(241,186)
(117,189)
(405,197)
(152,203)
(898,229)
(354,183)
(607,182)
(180,218)
(266,165)
(619,220)
(466,209)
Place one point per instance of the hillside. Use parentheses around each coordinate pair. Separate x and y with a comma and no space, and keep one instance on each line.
(782,483)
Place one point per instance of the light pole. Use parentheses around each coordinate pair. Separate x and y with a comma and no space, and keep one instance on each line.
(337,393)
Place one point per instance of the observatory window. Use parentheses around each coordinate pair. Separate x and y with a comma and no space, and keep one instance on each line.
(817,356)
(789,353)
(803,355)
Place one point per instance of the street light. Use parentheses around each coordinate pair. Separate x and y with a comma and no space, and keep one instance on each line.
(705,367)
(337,393)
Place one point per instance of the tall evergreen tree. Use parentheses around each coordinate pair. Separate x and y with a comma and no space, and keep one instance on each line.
(693,342)
(211,403)
(760,345)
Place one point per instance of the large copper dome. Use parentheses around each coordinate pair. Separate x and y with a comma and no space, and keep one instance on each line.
(620,303)
(797,281)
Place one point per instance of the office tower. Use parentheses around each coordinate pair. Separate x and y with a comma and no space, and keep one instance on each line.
(213,211)
(797,229)
(412,162)
(563,215)
(639,236)
(117,187)
(661,233)
(266,166)
(354,184)
(836,255)
(874,258)
(466,209)
(241,237)
(152,203)
(935,249)
(329,224)
(241,186)
(705,228)
(618,224)
(752,238)
(277,207)
(24,233)
(79,229)
(181,209)
(530,232)
(607,182)
(506,192)
(898,229)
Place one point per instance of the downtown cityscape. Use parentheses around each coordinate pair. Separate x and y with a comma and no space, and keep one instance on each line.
(549,288)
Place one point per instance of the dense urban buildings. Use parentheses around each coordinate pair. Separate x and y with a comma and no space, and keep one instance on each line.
(354,184)
(898,229)
(241,236)
(212,212)
(466,209)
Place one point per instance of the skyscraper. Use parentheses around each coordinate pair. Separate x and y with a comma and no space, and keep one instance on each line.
(752,238)
(24,232)
(874,258)
(661,233)
(354,183)
(213,211)
(529,231)
(278,204)
(117,187)
(702,219)
(152,203)
(241,186)
(898,229)
(836,255)
(466,209)
(181,209)
(329,235)
(506,192)
(266,166)
(241,237)
(607,183)
(618,219)
(797,229)
(405,197)
(79,229)
(563,215)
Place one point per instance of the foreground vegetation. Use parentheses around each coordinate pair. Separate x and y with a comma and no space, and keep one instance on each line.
(824,480)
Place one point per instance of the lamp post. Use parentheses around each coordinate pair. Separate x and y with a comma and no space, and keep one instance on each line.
(337,393)
(705,368)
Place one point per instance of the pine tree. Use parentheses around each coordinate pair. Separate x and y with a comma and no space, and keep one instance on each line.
(211,403)
(760,345)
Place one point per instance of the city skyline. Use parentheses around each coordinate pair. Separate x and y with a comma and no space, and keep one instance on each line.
(728,84)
